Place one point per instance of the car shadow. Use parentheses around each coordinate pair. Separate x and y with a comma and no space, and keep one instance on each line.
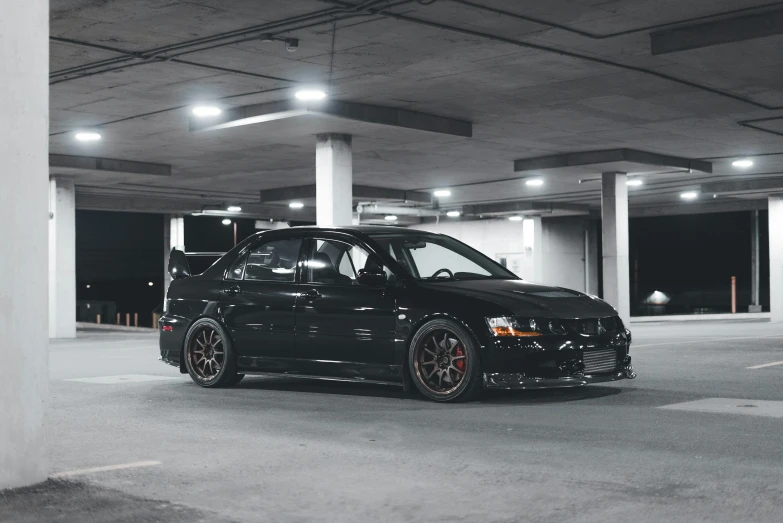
(520,397)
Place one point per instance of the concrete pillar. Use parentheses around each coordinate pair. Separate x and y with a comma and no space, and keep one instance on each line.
(755,277)
(173,238)
(333,180)
(614,222)
(62,258)
(24,169)
(533,243)
(776,258)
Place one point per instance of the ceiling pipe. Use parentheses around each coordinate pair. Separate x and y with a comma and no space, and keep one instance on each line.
(374,208)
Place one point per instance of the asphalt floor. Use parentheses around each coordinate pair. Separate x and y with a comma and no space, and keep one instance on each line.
(132,440)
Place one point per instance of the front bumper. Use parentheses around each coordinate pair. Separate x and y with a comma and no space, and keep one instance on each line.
(514,380)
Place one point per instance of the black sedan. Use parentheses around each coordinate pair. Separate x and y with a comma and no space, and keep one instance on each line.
(384,305)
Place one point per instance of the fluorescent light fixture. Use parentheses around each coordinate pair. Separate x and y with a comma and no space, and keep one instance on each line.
(442,193)
(87,136)
(390,218)
(534,182)
(689,195)
(296,205)
(309,95)
(744,163)
(234,208)
(635,182)
(206,110)
(150,284)
(226,221)
(453,214)
(515,218)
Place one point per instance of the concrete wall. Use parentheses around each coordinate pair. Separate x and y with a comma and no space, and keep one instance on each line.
(561,260)
(24,173)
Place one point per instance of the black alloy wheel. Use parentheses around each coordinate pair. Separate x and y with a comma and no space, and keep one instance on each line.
(209,357)
(444,363)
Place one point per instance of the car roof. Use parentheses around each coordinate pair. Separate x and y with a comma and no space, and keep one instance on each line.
(357,228)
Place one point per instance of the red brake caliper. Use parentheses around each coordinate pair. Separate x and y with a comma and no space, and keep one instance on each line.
(460,363)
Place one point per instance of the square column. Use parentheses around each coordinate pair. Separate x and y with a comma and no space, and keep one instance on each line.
(533,243)
(776,258)
(62,258)
(173,238)
(24,169)
(333,180)
(614,223)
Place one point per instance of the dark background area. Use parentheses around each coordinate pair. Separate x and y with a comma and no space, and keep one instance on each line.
(691,259)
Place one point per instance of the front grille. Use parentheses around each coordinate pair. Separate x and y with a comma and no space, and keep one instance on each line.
(595,326)
(598,361)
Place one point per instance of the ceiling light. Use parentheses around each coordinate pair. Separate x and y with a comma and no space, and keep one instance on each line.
(87,136)
(234,208)
(150,284)
(636,182)
(453,214)
(743,163)
(515,218)
(690,195)
(226,221)
(390,218)
(206,110)
(310,94)
(296,205)
(535,182)
(442,193)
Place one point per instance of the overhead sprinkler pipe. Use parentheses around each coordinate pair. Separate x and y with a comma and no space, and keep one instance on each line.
(374,208)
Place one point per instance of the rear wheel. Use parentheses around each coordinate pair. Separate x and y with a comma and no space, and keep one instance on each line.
(444,363)
(209,356)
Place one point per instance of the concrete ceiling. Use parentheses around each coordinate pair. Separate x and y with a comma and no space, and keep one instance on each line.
(561,84)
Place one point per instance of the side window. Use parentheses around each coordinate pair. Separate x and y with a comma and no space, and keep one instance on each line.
(333,261)
(273,261)
(237,271)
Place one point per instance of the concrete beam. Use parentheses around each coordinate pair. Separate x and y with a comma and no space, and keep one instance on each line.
(746,185)
(525,207)
(361,192)
(375,114)
(609,156)
(717,32)
(90,163)
(710,206)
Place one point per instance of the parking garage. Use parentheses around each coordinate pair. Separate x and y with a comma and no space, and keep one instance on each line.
(621,150)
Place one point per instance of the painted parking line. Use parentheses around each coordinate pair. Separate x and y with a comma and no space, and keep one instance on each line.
(766,408)
(765,365)
(107,468)
(125,378)
(707,340)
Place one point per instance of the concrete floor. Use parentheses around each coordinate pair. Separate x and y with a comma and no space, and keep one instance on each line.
(291,450)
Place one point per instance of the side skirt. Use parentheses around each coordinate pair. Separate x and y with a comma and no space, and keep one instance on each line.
(321,378)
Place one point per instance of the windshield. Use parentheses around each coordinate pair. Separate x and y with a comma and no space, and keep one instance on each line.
(435,257)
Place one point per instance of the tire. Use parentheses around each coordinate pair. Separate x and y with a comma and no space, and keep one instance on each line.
(209,355)
(443,362)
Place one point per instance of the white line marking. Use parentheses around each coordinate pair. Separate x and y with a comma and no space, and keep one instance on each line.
(108,468)
(707,340)
(766,408)
(766,365)
(125,378)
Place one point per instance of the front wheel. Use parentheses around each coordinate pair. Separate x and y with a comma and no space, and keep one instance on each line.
(444,363)
(209,356)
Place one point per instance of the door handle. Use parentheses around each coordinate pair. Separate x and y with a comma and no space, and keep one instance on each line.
(311,295)
(233,290)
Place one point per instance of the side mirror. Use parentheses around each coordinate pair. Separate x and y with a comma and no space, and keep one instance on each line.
(372,277)
(178,265)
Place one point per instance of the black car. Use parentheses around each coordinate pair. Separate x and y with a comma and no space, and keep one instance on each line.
(384,304)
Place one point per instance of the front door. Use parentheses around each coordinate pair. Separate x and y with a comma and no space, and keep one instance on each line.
(343,325)
(258,300)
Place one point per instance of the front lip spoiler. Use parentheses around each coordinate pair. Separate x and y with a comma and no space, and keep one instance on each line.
(498,380)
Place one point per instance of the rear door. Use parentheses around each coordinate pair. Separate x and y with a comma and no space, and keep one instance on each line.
(258,298)
(338,320)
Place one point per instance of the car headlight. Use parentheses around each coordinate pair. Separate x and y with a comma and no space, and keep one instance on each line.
(510,326)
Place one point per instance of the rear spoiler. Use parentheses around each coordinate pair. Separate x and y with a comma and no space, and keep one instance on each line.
(178,264)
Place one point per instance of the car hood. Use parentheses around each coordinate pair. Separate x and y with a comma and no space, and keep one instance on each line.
(526,299)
